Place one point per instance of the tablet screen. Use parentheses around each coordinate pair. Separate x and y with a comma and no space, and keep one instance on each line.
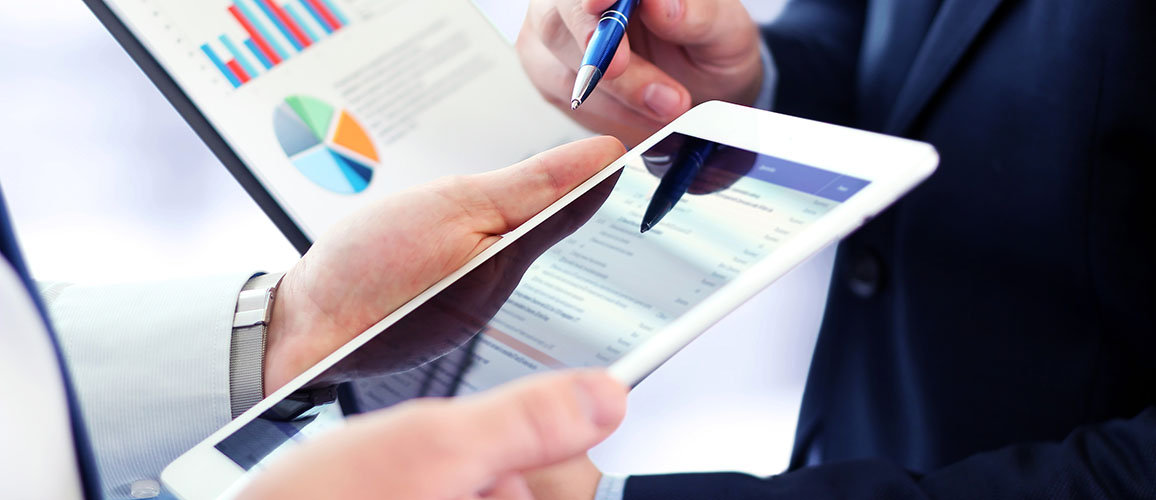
(583,288)
(333,103)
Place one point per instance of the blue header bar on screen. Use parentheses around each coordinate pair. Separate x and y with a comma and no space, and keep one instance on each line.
(810,180)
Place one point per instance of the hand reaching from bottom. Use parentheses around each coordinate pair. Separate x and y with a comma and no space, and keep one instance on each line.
(472,447)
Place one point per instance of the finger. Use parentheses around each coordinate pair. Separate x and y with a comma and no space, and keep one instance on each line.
(637,83)
(544,22)
(597,6)
(632,80)
(602,112)
(688,22)
(452,448)
(499,201)
(538,421)
(553,79)
(566,28)
(714,32)
(649,90)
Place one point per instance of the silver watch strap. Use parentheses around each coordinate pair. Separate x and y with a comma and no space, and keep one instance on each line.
(247,347)
(246,368)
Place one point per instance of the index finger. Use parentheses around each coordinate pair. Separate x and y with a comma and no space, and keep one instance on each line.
(580,21)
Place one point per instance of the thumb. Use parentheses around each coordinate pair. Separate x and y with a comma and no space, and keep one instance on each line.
(510,196)
(538,421)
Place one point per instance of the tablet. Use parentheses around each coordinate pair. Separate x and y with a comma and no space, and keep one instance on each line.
(622,272)
(320,106)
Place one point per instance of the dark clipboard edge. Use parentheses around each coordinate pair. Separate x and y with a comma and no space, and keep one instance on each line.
(200,124)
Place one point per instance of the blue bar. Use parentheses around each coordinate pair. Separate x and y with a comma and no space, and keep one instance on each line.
(301,22)
(221,65)
(261,27)
(280,25)
(336,12)
(316,16)
(810,180)
(842,188)
(241,59)
(258,54)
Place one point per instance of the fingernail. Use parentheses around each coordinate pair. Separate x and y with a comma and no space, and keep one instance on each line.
(673,9)
(662,100)
(600,398)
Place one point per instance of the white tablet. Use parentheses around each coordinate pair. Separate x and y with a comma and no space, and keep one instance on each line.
(318,107)
(622,272)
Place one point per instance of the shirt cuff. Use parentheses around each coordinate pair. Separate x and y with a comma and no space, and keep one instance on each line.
(766,96)
(150,365)
(611,487)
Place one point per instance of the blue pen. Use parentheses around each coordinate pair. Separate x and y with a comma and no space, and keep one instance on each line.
(603,45)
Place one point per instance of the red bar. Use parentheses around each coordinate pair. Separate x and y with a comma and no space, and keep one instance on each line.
(255,35)
(334,24)
(239,71)
(293,27)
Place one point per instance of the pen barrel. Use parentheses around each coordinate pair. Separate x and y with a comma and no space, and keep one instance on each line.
(604,43)
(611,28)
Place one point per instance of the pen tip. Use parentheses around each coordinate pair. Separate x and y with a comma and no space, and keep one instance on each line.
(574,104)
(646,226)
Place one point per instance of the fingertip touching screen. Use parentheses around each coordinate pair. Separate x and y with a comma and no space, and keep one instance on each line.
(593,281)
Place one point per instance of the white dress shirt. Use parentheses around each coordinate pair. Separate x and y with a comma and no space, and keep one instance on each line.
(150,366)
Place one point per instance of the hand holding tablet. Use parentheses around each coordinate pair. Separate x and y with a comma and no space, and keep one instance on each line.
(396,247)
(576,285)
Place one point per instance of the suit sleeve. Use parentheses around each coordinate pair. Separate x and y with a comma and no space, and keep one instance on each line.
(1115,459)
(815,45)
(150,364)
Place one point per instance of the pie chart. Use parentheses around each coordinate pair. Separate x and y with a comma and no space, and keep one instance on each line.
(325,144)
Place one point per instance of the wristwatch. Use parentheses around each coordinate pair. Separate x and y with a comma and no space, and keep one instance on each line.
(247,348)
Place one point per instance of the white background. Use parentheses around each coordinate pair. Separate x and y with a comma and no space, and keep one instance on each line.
(106,183)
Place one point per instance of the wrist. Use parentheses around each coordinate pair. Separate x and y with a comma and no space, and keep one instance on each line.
(296,327)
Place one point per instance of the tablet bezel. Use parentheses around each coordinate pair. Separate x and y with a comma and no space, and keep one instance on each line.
(892,165)
(199,122)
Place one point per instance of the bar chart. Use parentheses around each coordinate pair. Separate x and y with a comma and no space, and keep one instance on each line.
(274,31)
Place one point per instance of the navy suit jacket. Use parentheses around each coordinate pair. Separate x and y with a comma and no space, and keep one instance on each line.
(994,334)
(86,466)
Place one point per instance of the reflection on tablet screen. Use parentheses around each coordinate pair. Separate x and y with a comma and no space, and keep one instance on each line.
(583,288)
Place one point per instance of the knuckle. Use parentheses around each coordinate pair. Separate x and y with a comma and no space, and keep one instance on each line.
(699,19)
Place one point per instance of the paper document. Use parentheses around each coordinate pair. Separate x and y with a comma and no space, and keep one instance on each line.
(332,103)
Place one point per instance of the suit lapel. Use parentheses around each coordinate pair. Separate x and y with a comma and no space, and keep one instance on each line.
(954,29)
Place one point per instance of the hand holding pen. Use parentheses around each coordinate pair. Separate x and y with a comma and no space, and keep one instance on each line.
(600,51)
(675,53)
